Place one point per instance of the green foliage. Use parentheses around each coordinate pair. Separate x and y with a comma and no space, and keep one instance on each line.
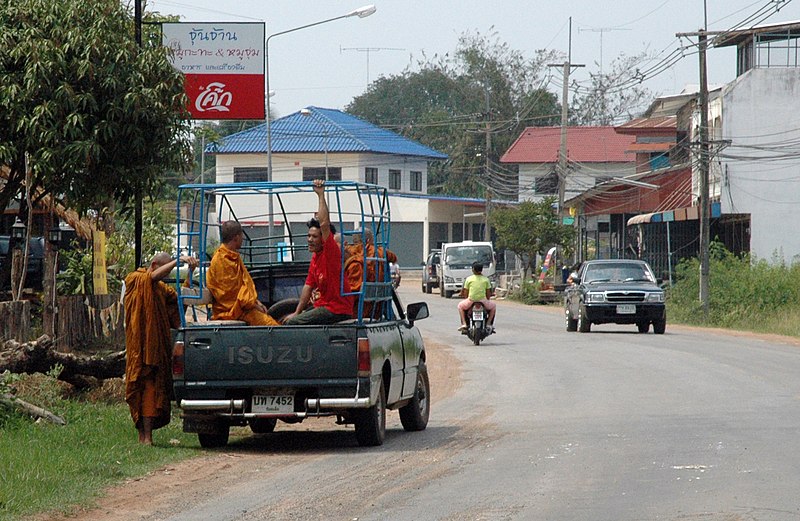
(76,276)
(742,291)
(98,117)
(157,235)
(449,102)
(527,293)
(52,468)
(530,228)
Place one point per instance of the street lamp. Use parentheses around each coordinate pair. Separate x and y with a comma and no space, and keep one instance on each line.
(361,12)
(18,230)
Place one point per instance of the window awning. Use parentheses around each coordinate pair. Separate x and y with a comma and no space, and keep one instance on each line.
(692,213)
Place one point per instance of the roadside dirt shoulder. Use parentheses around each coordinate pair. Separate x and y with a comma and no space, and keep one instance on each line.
(152,496)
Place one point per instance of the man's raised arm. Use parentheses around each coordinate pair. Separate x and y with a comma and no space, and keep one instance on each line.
(323,216)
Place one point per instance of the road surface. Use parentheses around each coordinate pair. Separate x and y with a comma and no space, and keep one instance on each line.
(534,424)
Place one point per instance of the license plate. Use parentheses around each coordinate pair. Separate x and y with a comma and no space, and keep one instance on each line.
(477,315)
(626,309)
(275,404)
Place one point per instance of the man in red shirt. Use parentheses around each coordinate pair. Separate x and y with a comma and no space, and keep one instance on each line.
(324,274)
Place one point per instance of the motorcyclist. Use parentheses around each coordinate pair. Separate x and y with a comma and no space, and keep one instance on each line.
(477,288)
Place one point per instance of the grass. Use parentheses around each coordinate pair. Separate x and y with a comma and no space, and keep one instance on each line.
(46,467)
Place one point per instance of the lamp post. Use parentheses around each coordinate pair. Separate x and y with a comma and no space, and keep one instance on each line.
(18,256)
(50,308)
(361,12)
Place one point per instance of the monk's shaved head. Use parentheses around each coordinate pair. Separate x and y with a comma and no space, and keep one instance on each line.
(229,231)
(160,258)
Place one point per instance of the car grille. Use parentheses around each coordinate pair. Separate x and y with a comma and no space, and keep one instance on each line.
(624,296)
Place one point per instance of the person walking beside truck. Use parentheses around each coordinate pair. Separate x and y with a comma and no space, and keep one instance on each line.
(324,273)
(151,309)
(477,288)
(235,295)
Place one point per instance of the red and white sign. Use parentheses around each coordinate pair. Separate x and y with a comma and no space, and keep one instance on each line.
(224,67)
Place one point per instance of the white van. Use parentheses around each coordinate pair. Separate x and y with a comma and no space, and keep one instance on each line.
(456,264)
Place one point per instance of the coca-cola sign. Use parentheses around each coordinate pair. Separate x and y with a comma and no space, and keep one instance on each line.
(224,67)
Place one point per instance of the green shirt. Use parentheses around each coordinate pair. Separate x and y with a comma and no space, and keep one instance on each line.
(477,285)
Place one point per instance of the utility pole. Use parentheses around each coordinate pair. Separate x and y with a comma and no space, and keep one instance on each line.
(705,205)
(368,50)
(487,236)
(562,154)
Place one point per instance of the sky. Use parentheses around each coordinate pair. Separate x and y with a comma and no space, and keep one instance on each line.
(330,64)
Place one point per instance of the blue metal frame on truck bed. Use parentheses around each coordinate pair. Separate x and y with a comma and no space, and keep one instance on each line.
(364,206)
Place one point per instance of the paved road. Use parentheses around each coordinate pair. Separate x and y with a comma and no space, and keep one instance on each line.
(534,424)
(615,425)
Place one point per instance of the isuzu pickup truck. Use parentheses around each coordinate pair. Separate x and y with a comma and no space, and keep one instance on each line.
(226,373)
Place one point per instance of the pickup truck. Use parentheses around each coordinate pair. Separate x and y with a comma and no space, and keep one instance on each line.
(226,373)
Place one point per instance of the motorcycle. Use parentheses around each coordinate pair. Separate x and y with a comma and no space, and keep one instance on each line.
(477,326)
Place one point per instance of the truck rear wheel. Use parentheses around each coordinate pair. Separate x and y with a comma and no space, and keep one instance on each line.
(214,440)
(371,423)
(414,415)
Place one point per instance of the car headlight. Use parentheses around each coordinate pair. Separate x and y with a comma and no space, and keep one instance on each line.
(449,279)
(655,297)
(595,298)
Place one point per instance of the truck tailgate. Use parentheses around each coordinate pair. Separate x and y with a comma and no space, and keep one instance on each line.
(250,353)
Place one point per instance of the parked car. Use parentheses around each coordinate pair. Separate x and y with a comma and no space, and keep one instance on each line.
(35,262)
(430,272)
(615,291)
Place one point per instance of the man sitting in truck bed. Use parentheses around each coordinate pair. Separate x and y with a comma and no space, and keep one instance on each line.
(235,296)
(324,273)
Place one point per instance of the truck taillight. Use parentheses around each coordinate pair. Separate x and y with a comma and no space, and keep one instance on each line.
(364,361)
(177,359)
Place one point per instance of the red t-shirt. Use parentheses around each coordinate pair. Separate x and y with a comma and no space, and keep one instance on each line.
(325,274)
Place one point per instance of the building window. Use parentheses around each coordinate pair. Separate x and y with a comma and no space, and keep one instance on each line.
(371,175)
(394,180)
(334,173)
(416,181)
(249,174)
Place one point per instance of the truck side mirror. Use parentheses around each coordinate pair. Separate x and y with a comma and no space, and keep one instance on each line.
(417,311)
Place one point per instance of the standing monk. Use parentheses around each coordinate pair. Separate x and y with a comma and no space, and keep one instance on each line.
(150,311)
(324,273)
(235,295)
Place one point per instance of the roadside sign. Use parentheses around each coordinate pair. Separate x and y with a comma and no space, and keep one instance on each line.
(223,64)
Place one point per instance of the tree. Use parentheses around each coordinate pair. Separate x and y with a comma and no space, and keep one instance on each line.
(98,118)
(612,97)
(450,103)
(531,228)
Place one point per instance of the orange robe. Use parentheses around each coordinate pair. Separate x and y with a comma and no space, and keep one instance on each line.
(354,270)
(151,309)
(235,295)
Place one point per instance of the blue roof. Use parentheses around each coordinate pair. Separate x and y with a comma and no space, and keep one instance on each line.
(319,130)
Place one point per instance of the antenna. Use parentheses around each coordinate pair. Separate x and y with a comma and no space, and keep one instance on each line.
(368,50)
(602,30)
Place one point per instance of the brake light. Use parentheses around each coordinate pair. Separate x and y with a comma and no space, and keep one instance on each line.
(177,359)
(364,360)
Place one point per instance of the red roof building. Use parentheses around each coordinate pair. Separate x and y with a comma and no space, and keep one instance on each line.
(594,155)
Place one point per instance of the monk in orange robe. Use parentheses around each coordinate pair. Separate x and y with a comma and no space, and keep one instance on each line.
(354,265)
(151,309)
(235,296)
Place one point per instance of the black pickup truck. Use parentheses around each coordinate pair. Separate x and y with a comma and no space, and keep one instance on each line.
(615,291)
(226,373)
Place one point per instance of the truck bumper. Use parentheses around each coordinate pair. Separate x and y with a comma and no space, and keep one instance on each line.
(313,407)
